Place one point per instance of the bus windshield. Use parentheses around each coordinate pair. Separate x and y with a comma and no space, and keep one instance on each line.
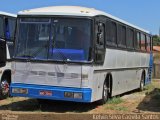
(57,39)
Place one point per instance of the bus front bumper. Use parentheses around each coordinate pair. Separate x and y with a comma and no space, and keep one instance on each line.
(50,92)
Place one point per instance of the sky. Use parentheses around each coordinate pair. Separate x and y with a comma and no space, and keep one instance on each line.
(142,13)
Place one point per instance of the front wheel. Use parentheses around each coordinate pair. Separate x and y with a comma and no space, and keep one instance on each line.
(4,88)
(104,94)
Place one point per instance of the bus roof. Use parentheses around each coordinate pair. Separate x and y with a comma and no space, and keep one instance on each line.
(73,11)
(8,14)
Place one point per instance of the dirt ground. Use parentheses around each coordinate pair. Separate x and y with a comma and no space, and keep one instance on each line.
(134,102)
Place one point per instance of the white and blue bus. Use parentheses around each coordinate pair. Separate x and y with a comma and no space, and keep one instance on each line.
(78,54)
(7,31)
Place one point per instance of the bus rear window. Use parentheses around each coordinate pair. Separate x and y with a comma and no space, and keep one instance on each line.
(148,44)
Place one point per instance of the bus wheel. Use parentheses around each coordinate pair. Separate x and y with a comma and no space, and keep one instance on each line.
(142,83)
(104,94)
(4,88)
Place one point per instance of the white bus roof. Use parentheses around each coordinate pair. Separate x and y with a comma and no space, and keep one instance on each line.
(73,11)
(7,14)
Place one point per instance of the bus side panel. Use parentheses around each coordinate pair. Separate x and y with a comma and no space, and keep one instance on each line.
(126,68)
(124,81)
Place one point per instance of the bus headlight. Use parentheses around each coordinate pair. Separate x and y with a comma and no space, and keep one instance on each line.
(73,95)
(78,95)
(68,94)
(19,91)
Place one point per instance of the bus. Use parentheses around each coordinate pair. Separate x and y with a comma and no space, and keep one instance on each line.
(78,54)
(7,30)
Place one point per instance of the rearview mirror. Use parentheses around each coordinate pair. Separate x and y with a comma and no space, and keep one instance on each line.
(100,38)
(100,34)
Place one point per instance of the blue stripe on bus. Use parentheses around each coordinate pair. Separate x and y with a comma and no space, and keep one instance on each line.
(149,76)
(58,92)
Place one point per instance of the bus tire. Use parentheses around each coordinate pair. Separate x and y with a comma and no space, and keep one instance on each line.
(141,88)
(105,94)
(4,87)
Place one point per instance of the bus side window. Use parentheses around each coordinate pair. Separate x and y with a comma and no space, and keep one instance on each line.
(7,33)
(143,42)
(10,28)
(151,43)
(111,33)
(137,44)
(121,36)
(10,24)
(148,42)
(3,53)
(130,38)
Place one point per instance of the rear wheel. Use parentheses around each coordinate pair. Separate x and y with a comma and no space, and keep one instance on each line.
(4,87)
(105,94)
(141,88)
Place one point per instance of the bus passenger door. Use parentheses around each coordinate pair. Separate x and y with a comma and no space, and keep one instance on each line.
(100,42)
(99,56)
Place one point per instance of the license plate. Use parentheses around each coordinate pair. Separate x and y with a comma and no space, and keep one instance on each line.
(46,93)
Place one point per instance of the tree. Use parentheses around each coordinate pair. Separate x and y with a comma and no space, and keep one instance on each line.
(156,40)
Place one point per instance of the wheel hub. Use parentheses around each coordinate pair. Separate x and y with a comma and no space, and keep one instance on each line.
(5,87)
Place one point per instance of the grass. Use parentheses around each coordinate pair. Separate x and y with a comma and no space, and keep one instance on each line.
(118,108)
(149,88)
(38,110)
(115,100)
(113,104)
(11,99)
